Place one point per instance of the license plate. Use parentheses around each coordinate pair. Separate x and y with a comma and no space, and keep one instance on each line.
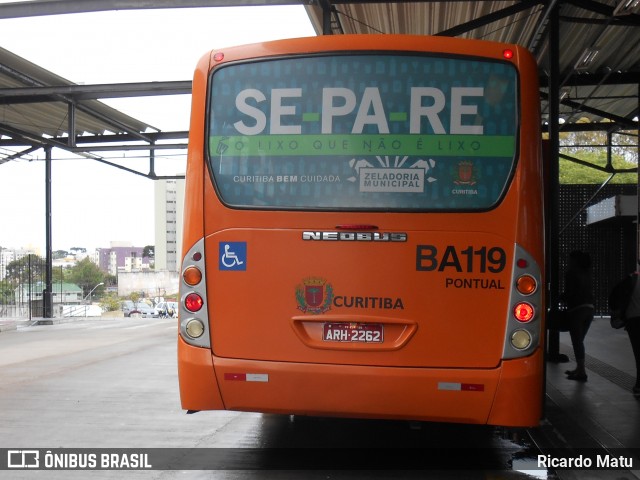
(353,332)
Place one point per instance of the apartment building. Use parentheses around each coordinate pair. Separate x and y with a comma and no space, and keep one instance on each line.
(169,207)
(122,257)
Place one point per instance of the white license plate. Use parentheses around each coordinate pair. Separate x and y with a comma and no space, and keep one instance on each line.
(353,332)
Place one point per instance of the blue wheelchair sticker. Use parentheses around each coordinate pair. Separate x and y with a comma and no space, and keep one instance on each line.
(232,256)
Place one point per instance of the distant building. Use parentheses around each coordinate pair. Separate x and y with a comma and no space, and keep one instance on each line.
(169,207)
(122,257)
(67,293)
(8,255)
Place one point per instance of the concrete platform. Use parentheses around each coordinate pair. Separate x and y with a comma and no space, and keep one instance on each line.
(601,413)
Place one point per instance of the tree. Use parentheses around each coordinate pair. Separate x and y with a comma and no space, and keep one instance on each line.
(574,173)
(149,251)
(6,293)
(591,147)
(28,269)
(87,275)
(110,302)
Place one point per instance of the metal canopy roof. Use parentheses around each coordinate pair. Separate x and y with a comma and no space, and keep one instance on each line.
(599,43)
(599,64)
(29,113)
(38,109)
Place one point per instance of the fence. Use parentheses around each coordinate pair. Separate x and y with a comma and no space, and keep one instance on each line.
(611,243)
(22,283)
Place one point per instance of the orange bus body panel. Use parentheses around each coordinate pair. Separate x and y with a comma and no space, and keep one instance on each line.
(519,386)
(441,359)
(198,385)
(193,228)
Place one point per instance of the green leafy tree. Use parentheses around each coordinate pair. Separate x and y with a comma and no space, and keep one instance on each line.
(87,275)
(59,274)
(110,280)
(590,147)
(29,268)
(110,302)
(575,173)
(6,293)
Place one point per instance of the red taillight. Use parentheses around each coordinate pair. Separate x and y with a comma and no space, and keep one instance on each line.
(523,312)
(218,57)
(507,53)
(193,302)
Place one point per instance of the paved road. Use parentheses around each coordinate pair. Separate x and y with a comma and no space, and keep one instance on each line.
(112,383)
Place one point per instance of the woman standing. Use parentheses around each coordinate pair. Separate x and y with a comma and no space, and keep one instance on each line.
(578,297)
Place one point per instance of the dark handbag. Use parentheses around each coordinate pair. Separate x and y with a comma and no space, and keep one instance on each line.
(619,300)
(558,320)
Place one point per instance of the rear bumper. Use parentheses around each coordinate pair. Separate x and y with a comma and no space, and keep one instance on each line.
(510,395)
(198,385)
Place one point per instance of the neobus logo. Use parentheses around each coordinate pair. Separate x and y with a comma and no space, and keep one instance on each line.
(355,236)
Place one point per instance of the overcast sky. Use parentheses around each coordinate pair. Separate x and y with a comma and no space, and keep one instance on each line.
(94,204)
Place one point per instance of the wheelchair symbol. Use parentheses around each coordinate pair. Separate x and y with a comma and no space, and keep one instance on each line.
(230,259)
(233,256)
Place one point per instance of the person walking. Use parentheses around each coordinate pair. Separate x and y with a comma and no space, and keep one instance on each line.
(624,300)
(578,297)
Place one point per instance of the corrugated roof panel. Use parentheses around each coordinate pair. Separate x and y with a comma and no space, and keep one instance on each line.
(51,118)
(582,25)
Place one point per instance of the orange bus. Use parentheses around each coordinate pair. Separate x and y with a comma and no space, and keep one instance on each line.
(363,231)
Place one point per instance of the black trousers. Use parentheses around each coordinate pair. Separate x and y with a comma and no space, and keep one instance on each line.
(579,322)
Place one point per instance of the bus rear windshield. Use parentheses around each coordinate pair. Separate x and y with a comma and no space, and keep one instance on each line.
(363,132)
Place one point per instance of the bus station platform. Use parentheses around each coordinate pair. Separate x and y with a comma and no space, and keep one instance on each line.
(602,412)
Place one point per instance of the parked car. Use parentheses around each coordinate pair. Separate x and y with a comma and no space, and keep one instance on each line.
(166,309)
(142,309)
(127,306)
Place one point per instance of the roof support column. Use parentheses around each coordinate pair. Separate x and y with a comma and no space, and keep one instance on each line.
(553,188)
(152,161)
(48,292)
(71,124)
(325,5)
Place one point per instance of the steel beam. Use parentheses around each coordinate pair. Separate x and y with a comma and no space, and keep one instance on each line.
(35,8)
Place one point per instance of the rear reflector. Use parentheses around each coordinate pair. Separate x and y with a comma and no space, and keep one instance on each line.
(247,377)
(461,387)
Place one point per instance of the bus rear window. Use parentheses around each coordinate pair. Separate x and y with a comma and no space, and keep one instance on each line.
(363,132)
